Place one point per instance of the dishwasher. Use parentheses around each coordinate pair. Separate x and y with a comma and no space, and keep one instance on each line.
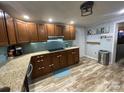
(28,77)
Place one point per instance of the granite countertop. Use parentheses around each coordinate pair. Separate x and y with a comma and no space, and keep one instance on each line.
(13,73)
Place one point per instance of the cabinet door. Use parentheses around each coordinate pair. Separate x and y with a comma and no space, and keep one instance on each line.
(51,29)
(3,33)
(69,32)
(37,64)
(47,64)
(66,33)
(70,57)
(10,29)
(21,31)
(42,65)
(76,55)
(63,59)
(56,61)
(59,30)
(32,29)
(72,32)
(42,32)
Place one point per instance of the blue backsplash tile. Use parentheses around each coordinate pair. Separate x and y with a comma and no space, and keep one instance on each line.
(29,48)
(40,46)
(3,55)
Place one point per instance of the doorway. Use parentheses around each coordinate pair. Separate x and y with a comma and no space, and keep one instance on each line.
(120,44)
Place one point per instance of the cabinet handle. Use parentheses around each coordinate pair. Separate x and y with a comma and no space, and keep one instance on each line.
(57,56)
(38,57)
(42,67)
(38,61)
(41,56)
(73,52)
(39,68)
(60,55)
(52,65)
(42,60)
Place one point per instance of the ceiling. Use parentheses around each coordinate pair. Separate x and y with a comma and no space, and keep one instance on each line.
(62,11)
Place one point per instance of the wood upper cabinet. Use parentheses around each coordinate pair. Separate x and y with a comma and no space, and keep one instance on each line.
(42,32)
(59,30)
(21,32)
(50,29)
(3,32)
(32,29)
(72,32)
(66,33)
(10,29)
(69,32)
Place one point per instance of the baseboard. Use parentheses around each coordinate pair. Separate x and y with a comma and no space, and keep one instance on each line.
(90,57)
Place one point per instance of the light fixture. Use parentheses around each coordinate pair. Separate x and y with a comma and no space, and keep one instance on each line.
(50,19)
(86,8)
(26,17)
(121,11)
(71,22)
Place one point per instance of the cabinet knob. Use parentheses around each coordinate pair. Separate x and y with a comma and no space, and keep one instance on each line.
(60,55)
(50,65)
(38,57)
(57,56)
(41,56)
(42,60)
(42,67)
(38,61)
(39,68)
(73,52)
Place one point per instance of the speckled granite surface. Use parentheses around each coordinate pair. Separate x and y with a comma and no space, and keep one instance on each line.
(13,73)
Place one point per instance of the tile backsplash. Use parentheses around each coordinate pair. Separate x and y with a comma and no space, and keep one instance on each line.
(3,55)
(29,48)
(40,46)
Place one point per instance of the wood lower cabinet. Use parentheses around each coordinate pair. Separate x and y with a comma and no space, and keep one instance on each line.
(47,63)
(59,60)
(3,32)
(63,59)
(33,34)
(10,29)
(42,32)
(73,56)
(41,65)
(56,60)
(76,55)
(21,32)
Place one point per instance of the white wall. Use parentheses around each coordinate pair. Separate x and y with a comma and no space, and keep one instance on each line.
(92,49)
(80,39)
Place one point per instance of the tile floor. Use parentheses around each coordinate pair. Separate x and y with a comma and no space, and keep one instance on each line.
(87,76)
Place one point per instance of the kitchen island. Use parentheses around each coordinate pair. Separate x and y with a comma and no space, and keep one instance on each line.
(13,73)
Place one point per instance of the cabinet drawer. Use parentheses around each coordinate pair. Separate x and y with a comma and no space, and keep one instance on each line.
(38,57)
